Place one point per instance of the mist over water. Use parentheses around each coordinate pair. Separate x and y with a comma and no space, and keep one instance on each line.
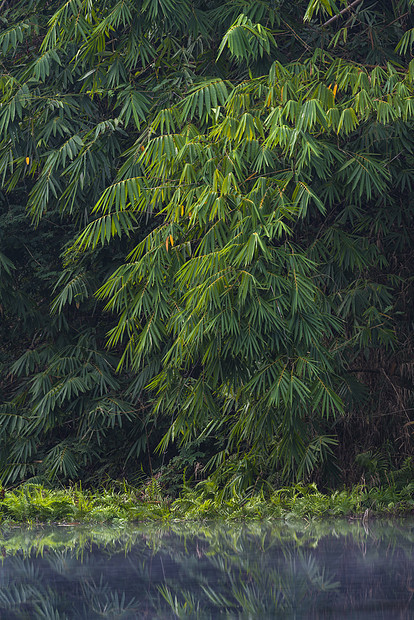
(320,569)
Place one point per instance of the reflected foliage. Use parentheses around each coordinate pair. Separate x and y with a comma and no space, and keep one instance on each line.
(315,569)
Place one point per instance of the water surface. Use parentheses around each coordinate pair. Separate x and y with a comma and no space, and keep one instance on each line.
(321,569)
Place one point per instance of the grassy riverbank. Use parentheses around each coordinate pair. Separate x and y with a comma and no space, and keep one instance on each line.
(122,503)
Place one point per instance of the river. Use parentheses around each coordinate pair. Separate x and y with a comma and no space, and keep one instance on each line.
(299,569)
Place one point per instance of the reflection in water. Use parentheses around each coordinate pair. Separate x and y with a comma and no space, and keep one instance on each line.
(261,570)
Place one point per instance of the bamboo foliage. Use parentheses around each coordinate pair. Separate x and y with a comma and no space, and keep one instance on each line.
(223,190)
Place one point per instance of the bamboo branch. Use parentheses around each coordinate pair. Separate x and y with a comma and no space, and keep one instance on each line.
(347,8)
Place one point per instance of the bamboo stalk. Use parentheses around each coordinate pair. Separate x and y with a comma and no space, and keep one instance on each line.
(347,8)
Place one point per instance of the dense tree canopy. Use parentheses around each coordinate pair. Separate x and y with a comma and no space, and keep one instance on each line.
(206,238)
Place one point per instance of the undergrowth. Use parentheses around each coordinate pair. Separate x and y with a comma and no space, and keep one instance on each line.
(31,503)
